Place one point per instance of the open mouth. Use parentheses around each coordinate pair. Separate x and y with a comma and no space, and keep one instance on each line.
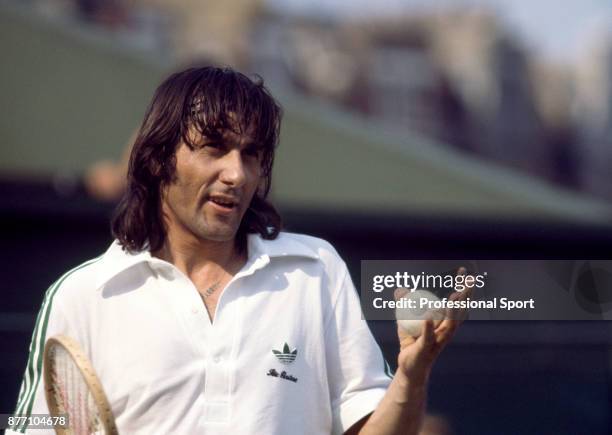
(224,204)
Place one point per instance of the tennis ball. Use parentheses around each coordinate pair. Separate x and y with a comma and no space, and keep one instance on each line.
(411,320)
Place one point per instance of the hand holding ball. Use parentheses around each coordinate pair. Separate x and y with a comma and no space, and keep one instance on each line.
(412,317)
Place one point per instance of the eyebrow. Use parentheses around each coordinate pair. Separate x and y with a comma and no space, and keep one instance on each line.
(254,144)
(223,138)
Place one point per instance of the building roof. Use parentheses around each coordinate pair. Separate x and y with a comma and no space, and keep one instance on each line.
(73,97)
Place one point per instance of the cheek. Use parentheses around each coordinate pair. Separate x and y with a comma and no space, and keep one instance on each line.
(180,195)
(255,179)
(172,197)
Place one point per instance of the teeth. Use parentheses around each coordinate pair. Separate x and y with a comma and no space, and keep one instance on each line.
(224,203)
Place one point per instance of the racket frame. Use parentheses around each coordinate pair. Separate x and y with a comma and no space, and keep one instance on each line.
(89,376)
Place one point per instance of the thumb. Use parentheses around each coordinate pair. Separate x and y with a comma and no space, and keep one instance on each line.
(427,338)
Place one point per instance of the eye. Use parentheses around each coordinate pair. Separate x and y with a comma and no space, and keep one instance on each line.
(212,147)
(252,152)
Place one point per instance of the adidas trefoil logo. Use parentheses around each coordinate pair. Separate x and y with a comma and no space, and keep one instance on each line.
(287,356)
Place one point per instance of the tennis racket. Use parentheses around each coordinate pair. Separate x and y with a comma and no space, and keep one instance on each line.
(73,389)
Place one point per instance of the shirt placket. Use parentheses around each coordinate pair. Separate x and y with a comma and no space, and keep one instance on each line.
(218,341)
(223,343)
(219,363)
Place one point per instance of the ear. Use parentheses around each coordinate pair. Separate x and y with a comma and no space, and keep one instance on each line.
(261,187)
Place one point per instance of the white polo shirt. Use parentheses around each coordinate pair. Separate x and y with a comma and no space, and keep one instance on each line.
(288,351)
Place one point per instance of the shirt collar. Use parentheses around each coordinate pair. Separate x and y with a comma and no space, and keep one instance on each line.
(285,245)
(116,260)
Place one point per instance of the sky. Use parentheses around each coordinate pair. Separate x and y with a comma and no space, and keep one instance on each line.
(556,29)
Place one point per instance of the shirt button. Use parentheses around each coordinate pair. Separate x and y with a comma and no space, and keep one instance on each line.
(216,360)
(194,311)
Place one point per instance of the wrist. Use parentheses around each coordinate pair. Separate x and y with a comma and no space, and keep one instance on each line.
(409,386)
(414,374)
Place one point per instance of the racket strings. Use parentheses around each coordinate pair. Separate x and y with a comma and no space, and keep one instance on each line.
(73,395)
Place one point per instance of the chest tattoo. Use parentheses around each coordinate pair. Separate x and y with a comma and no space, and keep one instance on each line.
(210,290)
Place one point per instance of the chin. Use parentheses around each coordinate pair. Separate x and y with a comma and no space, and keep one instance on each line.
(223,235)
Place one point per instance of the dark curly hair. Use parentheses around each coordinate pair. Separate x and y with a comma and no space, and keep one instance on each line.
(205,98)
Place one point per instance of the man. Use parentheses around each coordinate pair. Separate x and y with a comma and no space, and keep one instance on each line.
(202,316)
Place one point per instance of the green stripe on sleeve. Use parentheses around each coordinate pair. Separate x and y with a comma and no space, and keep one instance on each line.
(29,372)
(388,370)
(33,371)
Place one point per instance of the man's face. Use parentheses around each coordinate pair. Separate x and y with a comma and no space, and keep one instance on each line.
(213,187)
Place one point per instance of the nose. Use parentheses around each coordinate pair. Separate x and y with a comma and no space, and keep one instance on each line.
(233,171)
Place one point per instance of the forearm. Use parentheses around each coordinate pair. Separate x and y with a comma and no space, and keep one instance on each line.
(401,410)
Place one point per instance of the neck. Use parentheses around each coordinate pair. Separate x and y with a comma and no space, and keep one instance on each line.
(194,256)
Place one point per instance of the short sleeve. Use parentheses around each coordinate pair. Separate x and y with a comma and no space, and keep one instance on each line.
(358,374)
(31,400)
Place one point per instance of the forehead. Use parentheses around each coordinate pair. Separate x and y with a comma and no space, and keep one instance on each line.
(226,124)
(231,134)
(228,135)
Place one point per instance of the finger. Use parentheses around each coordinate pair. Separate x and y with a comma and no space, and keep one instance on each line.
(458,314)
(404,337)
(445,331)
(453,317)
(400,293)
(457,296)
(467,286)
(440,344)
(427,338)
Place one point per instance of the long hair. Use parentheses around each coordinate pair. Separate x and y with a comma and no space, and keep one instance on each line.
(210,99)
